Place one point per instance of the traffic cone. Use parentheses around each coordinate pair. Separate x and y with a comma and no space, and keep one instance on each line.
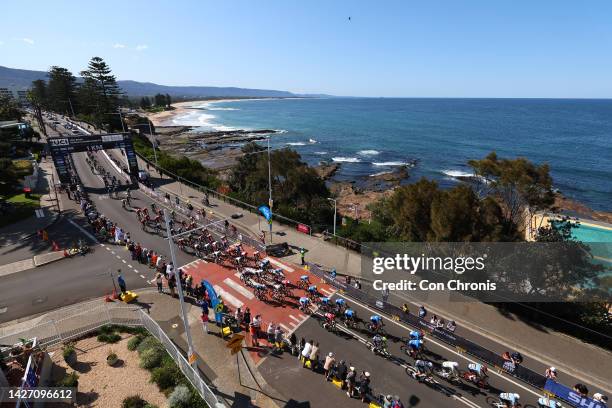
(107,298)
(115,296)
(65,253)
(55,246)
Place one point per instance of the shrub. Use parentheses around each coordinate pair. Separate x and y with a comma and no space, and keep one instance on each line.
(109,338)
(134,401)
(151,358)
(106,329)
(166,377)
(134,342)
(180,397)
(70,380)
(68,352)
(148,343)
(148,405)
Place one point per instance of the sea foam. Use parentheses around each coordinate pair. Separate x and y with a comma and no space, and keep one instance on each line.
(391,163)
(346,159)
(368,152)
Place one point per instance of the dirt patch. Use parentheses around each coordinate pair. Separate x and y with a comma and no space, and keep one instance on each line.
(101,385)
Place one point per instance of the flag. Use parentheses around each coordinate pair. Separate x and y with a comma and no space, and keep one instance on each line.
(265,210)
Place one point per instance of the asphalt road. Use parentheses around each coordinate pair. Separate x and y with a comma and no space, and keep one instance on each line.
(69,281)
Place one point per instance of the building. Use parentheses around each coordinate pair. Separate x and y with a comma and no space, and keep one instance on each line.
(6,93)
(22,96)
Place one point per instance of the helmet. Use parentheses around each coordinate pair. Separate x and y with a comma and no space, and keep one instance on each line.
(331,354)
(517,396)
(384,338)
(367,374)
(553,369)
(429,364)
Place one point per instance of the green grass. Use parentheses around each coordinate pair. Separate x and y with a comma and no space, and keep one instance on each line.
(23,208)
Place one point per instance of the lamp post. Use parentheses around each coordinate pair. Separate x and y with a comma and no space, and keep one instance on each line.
(335,204)
(270,202)
(180,290)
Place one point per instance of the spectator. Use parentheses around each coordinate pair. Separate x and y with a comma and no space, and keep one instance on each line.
(121,282)
(405,309)
(350,381)
(600,398)
(302,256)
(205,317)
(238,317)
(551,373)
(340,371)
(253,332)
(306,350)
(347,279)
(329,362)
(582,390)
(314,356)
(172,284)
(333,274)
(364,385)
(422,312)
(434,320)
(451,326)
(159,281)
(357,284)
(270,333)
(246,318)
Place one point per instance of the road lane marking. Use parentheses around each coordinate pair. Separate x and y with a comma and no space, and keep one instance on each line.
(239,288)
(280,264)
(143,277)
(228,297)
(84,231)
(464,356)
(123,260)
(118,257)
(285,328)
(130,266)
(295,318)
(327,292)
(113,252)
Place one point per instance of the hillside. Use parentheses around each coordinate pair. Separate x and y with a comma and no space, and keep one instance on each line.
(19,79)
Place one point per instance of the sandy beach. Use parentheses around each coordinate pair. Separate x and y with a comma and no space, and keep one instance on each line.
(180,108)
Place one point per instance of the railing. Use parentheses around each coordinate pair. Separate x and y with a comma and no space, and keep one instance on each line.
(75,322)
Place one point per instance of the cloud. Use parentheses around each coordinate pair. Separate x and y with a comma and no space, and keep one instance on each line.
(117,45)
(141,47)
(28,40)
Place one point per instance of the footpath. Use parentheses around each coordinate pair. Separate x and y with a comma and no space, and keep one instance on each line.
(233,377)
(475,320)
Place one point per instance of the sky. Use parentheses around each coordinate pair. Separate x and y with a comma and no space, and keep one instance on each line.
(443,48)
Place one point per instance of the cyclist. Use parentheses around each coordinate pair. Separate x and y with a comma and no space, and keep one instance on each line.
(380,342)
(340,305)
(304,281)
(478,370)
(349,316)
(551,373)
(415,346)
(304,301)
(416,335)
(545,402)
(324,303)
(511,399)
(423,368)
(376,323)
(330,319)
(450,368)
(312,290)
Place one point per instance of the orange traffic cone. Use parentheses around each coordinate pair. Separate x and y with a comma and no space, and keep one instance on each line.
(107,298)
(115,296)
(55,246)
(65,254)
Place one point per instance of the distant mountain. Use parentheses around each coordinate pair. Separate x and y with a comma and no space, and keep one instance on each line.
(21,79)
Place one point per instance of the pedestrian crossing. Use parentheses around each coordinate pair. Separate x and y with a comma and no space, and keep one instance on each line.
(227,297)
(280,265)
(239,288)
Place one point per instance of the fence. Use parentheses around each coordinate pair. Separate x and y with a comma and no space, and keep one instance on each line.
(74,322)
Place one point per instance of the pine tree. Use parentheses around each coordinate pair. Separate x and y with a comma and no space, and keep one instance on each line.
(168,100)
(102,82)
(61,90)
(38,93)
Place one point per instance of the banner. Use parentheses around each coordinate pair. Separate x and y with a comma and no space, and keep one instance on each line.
(571,396)
(265,210)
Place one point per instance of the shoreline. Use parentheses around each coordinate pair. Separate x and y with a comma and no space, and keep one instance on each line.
(164,118)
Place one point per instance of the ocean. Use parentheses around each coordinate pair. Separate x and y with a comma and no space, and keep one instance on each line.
(438,136)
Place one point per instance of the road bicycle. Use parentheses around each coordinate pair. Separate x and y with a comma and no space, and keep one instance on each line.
(449,376)
(474,379)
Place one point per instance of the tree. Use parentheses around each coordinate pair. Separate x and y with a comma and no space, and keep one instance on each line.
(8,176)
(145,102)
(101,88)
(168,100)
(38,94)
(9,109)
(519,185)
(160,100)
(61,90)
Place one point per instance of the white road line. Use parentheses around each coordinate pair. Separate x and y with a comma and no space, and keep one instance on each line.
(239,288)
(143,277)
(285,328)
(3,310)
(113,252)
(294,324)
(130,266)
(123,260)
(295,319)
(107,248)
(237,274)
(118,257)
(135,270)
(228,297)
(102,245)
(84,231)
(429,339)
(280,265)
(327,292)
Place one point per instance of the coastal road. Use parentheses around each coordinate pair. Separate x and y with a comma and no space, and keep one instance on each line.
(83,277)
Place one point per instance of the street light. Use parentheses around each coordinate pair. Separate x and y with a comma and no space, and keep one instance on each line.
(335,203)
(180,289)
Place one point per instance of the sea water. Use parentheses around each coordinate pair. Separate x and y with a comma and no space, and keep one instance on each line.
(437,136)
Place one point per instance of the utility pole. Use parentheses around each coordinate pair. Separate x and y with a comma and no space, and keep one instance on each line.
(121,119)
(335,203)
(190,353)
(270,202)
(71,108)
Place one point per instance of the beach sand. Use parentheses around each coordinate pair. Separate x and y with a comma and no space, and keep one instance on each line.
(180,108)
